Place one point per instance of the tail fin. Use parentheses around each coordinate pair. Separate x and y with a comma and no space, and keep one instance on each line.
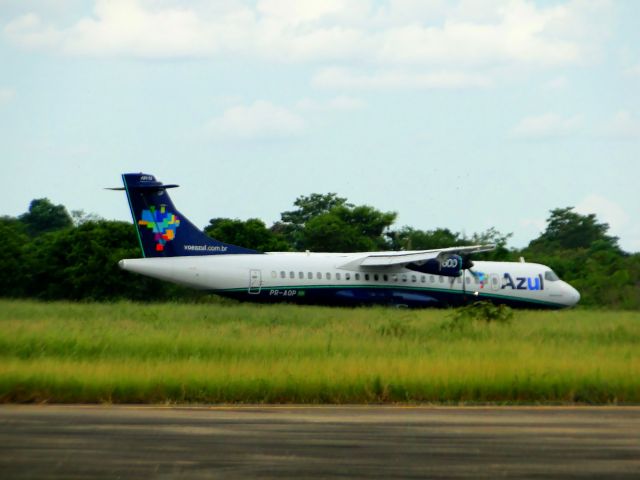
(162,230)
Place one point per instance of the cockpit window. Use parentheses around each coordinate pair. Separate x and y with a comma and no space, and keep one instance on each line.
(550,276)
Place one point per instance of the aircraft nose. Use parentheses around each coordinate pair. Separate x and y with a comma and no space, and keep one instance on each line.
(573,295)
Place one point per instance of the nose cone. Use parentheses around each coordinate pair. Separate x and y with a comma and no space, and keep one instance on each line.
(573,296)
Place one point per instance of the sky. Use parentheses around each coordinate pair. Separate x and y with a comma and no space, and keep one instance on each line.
(462,114)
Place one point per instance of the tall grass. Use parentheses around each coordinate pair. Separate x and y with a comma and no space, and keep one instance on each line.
(126,352)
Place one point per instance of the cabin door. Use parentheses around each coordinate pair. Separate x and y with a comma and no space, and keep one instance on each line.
(255,281)
(494,281)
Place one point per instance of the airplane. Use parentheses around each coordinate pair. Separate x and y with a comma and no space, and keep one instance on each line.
(175,250)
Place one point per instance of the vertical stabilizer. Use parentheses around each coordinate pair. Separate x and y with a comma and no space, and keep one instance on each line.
(163,231)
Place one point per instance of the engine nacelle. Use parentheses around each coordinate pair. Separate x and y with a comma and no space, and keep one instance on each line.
(449,266)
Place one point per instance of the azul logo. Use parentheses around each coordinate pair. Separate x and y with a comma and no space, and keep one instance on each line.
(163,224)
(523,283)
(517,283)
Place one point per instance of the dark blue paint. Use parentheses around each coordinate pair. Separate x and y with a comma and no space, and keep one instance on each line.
(145,193)
(395,296)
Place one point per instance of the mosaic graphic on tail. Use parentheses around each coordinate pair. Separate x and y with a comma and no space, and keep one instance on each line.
(163,224)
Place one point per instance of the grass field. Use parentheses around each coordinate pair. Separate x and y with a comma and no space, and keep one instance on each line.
(155,353)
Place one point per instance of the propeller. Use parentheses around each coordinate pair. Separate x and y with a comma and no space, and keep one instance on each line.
(467,264)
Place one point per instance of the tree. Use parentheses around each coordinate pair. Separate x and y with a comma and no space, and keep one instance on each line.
(293,222)
(567,230)
(78,217)
(346,228)
(43,216)
(251,233)
(495,237)
(82,263)
(14,243)
(328,223)
(409,238)
(311,206)
(579,249)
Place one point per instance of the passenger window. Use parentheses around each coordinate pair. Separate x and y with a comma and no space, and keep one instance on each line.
(366,277)
(337,276)
(404,278)
(310,275)
(328,276)
(319,276)
(385,277)
(431,279)
(459,280)
(301,275)
(394,278)
(347,276)
(357,275)
(283,274)
(413,278)
(423,279)
(441,278)
(376,277)
(292,274)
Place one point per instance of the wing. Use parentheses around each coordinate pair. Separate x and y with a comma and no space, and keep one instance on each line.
(401,259)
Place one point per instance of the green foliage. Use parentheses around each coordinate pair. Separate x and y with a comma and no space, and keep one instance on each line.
(48,254)
(14,239)
(168,352)
(311,206)
(567,230)
(327,223)
(581,252)
(347,228)
(82,264)
(43,216)
(492,236)
(395,327)
(251,233)
(409,238)
(478,312)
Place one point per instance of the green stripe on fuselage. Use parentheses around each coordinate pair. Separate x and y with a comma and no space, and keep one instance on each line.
(482,295)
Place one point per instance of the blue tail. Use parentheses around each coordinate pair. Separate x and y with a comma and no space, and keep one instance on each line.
(162,230)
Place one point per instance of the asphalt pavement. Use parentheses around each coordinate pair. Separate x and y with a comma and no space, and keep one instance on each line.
(155,442)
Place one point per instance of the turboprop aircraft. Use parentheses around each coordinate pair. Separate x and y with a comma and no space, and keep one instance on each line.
(175,250)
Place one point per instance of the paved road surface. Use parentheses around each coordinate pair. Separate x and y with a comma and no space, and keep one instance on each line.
(68,442)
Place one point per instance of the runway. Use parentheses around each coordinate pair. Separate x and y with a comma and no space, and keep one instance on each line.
(127,442)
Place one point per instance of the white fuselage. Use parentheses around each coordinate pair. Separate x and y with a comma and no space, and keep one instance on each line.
(304,276)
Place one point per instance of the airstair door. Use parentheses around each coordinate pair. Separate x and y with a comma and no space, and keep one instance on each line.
(255,281)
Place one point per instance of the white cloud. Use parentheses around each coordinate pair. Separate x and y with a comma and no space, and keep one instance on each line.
(517,33)
(546,126)
(416,44)
(633,71)
(623,125)
(6,95)
(313,12)
(258,121)
(334,77)
(606,211)
(342,103)
(436,34)
(123,28)
(557,83)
